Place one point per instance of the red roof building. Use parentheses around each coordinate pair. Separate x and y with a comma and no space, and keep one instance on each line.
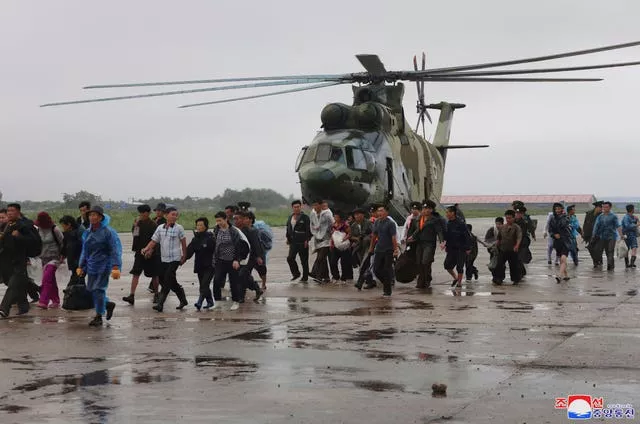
(526,199)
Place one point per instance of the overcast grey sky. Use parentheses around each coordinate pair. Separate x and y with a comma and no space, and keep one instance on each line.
(545,138)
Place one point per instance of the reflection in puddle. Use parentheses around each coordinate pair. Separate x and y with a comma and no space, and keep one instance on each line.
(379,386)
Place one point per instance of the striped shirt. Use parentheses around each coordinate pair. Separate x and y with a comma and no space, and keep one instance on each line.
(169,239)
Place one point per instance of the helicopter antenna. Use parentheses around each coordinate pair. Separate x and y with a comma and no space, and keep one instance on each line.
(421,107)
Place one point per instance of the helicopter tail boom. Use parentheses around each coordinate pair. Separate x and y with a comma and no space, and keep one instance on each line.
(443,130)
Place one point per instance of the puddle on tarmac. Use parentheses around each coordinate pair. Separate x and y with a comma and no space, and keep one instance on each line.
(379,386)
(518,306)
(631,292)
(95,378)
(406,305)
(12,409)
(462,307)
(368,335)
(457,293)
(384,356)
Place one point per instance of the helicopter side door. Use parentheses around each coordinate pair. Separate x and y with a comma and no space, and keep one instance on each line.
(390,183)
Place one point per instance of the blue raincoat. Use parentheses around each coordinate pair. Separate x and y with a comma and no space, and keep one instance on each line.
(101,249)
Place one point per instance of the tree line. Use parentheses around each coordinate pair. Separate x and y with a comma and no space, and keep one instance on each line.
(262,198)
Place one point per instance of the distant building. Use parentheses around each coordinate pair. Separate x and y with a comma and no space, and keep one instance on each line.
(582,201)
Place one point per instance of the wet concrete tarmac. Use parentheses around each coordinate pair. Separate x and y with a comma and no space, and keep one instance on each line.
(331,354)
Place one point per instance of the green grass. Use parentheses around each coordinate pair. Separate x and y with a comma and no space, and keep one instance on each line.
(121,220)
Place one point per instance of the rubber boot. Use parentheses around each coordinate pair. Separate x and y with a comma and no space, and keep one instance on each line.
(182,297)
(626,262)
(161,299)
(633,262)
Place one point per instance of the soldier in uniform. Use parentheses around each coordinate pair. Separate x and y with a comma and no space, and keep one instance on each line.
(360,237)
(425,232)
(587,232)
(524,254)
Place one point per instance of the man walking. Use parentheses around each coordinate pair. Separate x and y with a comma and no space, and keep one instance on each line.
(173,252)
(605,230)
(143,230)
(15,241)
(587,232)
(425,232)
(384,244)
(560,232)
(457,244)
(83,219)
(575,231)
(298,236)
(242,219)
(508,244)
(630,234)
(321,221)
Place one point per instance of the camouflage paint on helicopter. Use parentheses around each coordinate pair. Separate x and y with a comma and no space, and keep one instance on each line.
(367,153)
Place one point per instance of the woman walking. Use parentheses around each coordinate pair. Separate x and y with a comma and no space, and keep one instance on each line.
(52,240)
(101,256)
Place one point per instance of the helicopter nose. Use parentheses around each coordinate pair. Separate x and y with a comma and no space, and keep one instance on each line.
(321,175)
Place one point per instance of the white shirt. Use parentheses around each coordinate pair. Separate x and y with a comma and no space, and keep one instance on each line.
(169,239)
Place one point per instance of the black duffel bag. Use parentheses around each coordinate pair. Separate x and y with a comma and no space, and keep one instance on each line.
(77,298)
(406,269)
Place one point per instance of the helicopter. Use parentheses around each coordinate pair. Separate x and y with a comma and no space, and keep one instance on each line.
(367,153)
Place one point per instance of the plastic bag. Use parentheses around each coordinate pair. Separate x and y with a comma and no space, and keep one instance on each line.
(623,250)
(339,241)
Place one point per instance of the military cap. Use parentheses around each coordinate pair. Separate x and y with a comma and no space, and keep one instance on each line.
(429,204)
(517,203)
(571,207)
(244,206)
(161,207)
(521,209)
(415,205)
(358,210)
(599,203)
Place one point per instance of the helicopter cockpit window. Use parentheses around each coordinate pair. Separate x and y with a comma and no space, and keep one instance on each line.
(326,153)
(300,157)
(310,154)
(356,159)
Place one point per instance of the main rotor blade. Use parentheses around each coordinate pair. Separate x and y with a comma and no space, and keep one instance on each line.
(175,93)
(336,77)
(275,93)
(533,59)
(481,79)
(372,64)
(536,71)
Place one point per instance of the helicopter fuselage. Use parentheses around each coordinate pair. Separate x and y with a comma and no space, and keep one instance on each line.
(367,154)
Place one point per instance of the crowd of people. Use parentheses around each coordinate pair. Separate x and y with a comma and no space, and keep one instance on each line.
(239,244)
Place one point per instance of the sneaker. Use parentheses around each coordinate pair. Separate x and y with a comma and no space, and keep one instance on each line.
(3,314)
(54,306)
(386,295)
(209,305)
(96,321)
(235,306)
(110,307)
(216,305)
(129,299)
(198,306)
(558,280)
(42,306)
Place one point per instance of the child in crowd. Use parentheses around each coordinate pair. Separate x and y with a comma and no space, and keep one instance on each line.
(52,240)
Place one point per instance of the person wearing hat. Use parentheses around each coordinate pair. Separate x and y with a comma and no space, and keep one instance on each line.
(52,239)
(416,207)
(457,244)
(507,244)
(360,236)
(425,232)
(606,231)
(143,229)
(101,257)
(560,232)
(630,235)
(575,231)
(587,232)
(523,253)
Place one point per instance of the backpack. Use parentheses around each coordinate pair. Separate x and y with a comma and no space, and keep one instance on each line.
(55,237)
(33,247)
(265,235)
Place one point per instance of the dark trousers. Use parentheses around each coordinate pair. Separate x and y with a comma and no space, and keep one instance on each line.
(608,247)
(298,249)
(515,267)
(246,279)
(383,268)
(469,267)
(364,276)
(344,257)
(592,247)
(168,279)
(320,267)
(204,278)
(425,255)
(16,290)
(224,268)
